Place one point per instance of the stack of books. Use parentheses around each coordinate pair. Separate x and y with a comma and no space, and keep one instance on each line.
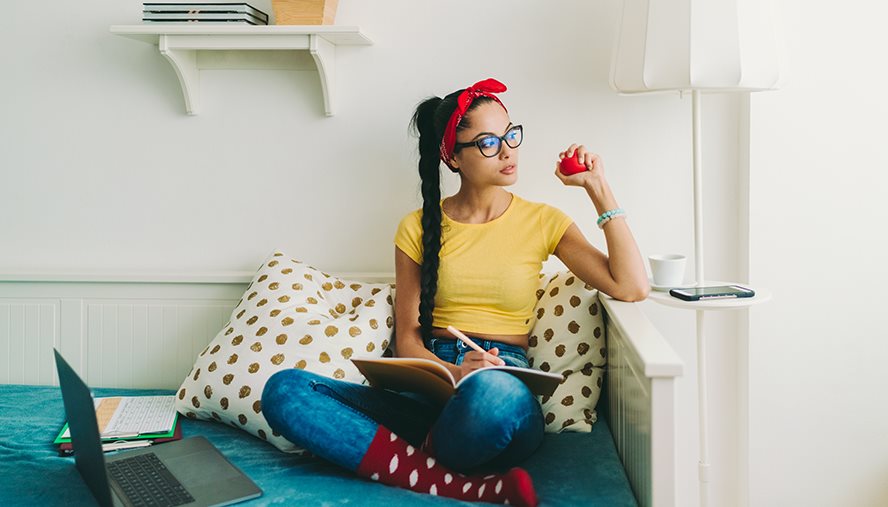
(200,12)
(126,422)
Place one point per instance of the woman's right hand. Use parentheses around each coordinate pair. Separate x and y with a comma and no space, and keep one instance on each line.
(594,173)
(474,360)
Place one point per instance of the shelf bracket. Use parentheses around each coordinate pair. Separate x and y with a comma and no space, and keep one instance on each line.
(184,47)
(324,54)
(184,62)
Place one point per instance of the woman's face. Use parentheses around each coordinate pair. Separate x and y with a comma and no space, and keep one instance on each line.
(487,122)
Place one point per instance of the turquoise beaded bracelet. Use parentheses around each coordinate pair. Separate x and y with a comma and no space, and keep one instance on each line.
(609,215)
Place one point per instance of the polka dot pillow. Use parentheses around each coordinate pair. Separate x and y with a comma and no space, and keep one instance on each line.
(568,338)
(291,316)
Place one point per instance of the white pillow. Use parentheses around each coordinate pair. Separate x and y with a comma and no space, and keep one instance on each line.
(568,338)
(291,316)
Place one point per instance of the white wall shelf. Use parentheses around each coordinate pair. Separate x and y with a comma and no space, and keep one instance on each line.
(762,295)
(179,45)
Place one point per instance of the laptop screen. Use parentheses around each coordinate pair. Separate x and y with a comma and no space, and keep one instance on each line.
(84,428)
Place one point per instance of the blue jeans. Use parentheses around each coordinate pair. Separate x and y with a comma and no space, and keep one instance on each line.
(493,421)
(453,350)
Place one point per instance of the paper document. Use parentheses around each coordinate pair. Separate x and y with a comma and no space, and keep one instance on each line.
(130,416)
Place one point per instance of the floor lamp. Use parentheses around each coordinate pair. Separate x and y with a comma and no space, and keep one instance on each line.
(697,46)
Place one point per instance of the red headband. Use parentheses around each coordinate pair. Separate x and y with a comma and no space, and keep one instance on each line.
(484,88)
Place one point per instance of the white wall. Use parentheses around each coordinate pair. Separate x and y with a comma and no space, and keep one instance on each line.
(819,175)
(102,171)
(105,172)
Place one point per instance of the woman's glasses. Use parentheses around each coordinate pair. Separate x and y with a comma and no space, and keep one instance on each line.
(491,146)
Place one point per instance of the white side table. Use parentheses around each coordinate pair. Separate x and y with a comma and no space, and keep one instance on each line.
(663,297)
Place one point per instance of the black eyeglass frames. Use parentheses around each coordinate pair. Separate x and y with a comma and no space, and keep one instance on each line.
(491,145)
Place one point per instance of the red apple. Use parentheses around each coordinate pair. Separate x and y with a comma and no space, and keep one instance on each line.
(570,165)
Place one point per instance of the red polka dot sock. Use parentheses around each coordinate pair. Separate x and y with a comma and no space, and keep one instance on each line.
(391,460)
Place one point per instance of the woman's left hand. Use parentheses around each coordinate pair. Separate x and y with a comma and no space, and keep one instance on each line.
(594,166)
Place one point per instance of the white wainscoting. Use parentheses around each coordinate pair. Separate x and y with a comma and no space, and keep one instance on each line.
(114,333)
(630,408)
(140,330)
(28,328)
(154,342)
(641,372)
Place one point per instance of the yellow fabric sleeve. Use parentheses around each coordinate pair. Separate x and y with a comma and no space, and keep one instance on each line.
(553,224)
(409,236)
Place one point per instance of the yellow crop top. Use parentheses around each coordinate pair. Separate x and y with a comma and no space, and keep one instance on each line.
(489,273)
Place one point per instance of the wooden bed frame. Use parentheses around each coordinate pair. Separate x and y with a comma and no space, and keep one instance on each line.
(144,331)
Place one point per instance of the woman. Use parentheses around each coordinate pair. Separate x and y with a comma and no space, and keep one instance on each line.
(471,261)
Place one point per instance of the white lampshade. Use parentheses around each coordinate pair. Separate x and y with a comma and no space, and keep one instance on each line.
(719,45)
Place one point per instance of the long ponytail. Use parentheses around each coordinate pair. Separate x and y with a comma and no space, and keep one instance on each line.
(429,122)
(430,174)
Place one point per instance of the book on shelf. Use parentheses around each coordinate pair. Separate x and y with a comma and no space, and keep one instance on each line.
(131,418)
(67,448)
(434,380)
(205,21)
(193,8)
(203,17)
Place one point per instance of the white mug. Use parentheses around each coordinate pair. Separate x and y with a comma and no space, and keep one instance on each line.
(667,269)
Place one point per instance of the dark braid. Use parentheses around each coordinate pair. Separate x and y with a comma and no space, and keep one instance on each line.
(429,122)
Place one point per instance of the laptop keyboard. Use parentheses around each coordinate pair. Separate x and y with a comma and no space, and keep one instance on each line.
(146,481)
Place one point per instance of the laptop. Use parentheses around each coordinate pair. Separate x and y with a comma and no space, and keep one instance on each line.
(188,472)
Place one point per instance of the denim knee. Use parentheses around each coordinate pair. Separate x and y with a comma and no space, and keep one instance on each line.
(492,414)
(281,392)
(497,399)
(305,408)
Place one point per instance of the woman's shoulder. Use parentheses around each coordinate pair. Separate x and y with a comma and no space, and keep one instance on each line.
(413,215)
(411,220)
(534,207)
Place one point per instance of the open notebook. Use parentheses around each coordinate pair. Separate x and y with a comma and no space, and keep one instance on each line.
(127,417)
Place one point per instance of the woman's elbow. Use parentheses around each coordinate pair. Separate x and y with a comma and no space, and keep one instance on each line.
(633,293)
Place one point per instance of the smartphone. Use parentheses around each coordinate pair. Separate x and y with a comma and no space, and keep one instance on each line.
(719,292)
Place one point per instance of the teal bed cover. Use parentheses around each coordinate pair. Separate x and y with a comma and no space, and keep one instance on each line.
(570,469)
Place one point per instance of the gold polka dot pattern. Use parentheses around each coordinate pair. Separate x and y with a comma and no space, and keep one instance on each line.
(291,316)
(568,338)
